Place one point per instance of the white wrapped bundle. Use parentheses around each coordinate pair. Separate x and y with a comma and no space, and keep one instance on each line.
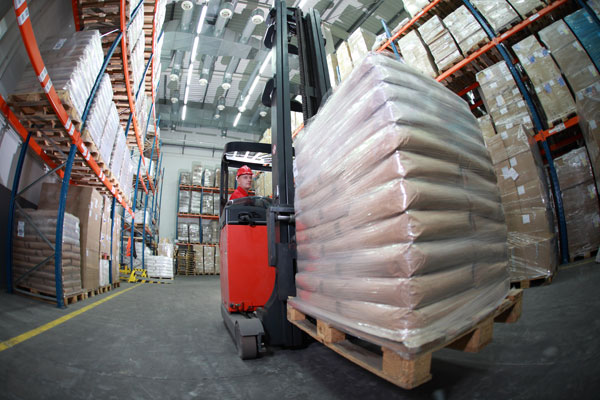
(414,6)
(109,133)
(467,32)
(526,7)
(159,267)
(401,234)
(498,13)
(415,54)
(99,111)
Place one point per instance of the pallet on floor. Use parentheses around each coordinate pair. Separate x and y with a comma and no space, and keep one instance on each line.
(388,364)
(70,298)
(531,282)
(586,255)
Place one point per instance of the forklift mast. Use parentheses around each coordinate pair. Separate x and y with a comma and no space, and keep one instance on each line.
(283,25)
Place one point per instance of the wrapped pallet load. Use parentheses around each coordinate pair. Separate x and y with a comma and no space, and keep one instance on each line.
(30,249)
(401,234)
(498,13)
(413,7)
(526,7)
(550,87)
(467,32)
(588,110)
(586,30)
(441,44)
(416,55)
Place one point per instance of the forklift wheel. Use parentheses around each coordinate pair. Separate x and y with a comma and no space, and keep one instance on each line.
(246,345)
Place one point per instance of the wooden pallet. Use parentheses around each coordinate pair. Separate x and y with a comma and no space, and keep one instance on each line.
(533,282)
(36,112)
(586,255)
(561,120)
(71,298)
(389,365)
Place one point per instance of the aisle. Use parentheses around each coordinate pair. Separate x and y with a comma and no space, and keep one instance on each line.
(168,342)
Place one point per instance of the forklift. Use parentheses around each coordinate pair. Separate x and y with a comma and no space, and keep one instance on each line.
(257,234)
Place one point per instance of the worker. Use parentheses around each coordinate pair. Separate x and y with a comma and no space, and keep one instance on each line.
(244,181)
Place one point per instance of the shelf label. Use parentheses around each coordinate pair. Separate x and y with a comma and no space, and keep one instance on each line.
(18,3)
(534,17)
(558,128)
(21,228)
(23,17)
(48,86)
(526,219)
(43,75)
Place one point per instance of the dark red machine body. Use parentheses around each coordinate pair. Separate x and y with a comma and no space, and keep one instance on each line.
(247,280)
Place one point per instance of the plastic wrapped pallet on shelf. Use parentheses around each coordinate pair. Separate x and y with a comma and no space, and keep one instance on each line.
(135,29)
(195,203)
(216,203)
(137,259)
(118,152)
(199,258)
(209,259)
(105,225)
(209,178)
(526,7)
(332,68)
(29,249)
(587,32)
(498,13)
(184,201)
(183,234)
(359,44)
(137,61)
(73,63)
(206,231)
(569,54)
(217,260)
(467,32)
(197,174)
(487,126)
(413,7)
(432,252)
(231,182)
(207,203)
(524,194)
(99,112)
(502,98)
(580,201)
(550,87)
(416,55)
(87,205)
(441,44)
(588,110)
(344,58)
(185,178)
(109,133)
(194,228)
(214,227)
(217,177)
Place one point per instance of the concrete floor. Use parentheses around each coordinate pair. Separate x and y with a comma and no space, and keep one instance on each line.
(168,342)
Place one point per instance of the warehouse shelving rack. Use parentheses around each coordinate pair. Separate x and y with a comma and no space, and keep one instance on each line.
(55,158)
(496,42)
(199,217)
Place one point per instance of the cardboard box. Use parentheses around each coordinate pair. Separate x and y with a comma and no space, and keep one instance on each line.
(517,171)
(86,204)
(344,60)
(588,109)
(532,256)
(527,196)
(534,221)
(573,168)
(583,218)
(332,66)
(508,144)
(487,126)
(360,43)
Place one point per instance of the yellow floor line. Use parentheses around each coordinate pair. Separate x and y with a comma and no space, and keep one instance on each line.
(7,344)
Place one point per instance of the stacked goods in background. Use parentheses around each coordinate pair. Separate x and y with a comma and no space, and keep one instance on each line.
(412,193)
(498,13)
(198,259)
(588,110)
(413,7)
(208,203)
(194,232)
(159,267)
(195,201)
(349,54)
(210,231)
(520,176)
(344,60)
(96,120)
(416,55)
(569,54)
(549,85)
(205,260)
(29,249)
(263,182)
(185,260)
(197,173)
(526,7)
(465,29)
(332,68)
(217,260)
(580,202)
(441,44)
(88,206)
(183,234)
(587,32)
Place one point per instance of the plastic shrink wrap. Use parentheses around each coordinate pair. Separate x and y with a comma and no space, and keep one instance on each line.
(526,7)
(185,178)
(109,133)
(498,13)
(401,235)
(580,201)
(183,234)
(550,87)
(587,32)
(194,229)
(195,202)
(197,173)
(209,260)
(159,267)
(467,32)
(165,248)
(344,58)
(99,112)
(441,44)
(569,54)
(414,6)
(359,44)
(30,249)
(416,55)
(184,201)
(208,204)
(588,110)
(73,64)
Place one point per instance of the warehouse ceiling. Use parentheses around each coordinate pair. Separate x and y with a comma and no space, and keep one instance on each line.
(207,93)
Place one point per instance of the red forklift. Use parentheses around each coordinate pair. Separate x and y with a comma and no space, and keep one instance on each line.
(257,234)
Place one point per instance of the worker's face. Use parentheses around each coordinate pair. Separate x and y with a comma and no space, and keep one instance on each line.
(245,181)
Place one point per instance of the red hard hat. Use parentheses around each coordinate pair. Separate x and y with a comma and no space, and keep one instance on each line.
(244,170)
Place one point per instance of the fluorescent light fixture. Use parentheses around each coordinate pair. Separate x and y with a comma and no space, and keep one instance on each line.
(189,75)
(201,20)
(263,113)
(183,111)
(217,116)
(194,49)
(242,108)
(256,80)
(203,81)
(265,63)
(237,119)
(226,85)
(187,93)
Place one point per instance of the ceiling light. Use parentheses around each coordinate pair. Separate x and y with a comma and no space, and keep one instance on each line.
(227,10)
(221,104)
(187,93)
(263,113)
(242,108)
(237,119)
(253,85)
(201,20)
(194,49)
(183,112)
(265,63)
(217,116)
(174,100)
(187,5)
(189,76)
(257,17)
(173,77)
(226,85)
(203,81)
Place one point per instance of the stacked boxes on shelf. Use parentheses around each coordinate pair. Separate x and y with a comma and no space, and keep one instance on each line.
(467,32)
(209,260)
(109,134)
(569,54)
(197,173)
(526,7)
(498,13)
(587,32)
(416,55)
(580,202)
(183,234)
(184,201)
(195,202)
(441,44)
(98,114)
(588,110)
(194,232)
(550,87)
(29,250)
(332,68)
(414,6)
(217,260)
(198,259)
(360,43)
(344,59)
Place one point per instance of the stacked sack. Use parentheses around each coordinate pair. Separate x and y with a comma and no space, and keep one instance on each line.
(401,234)
(29,249)
(159,267)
